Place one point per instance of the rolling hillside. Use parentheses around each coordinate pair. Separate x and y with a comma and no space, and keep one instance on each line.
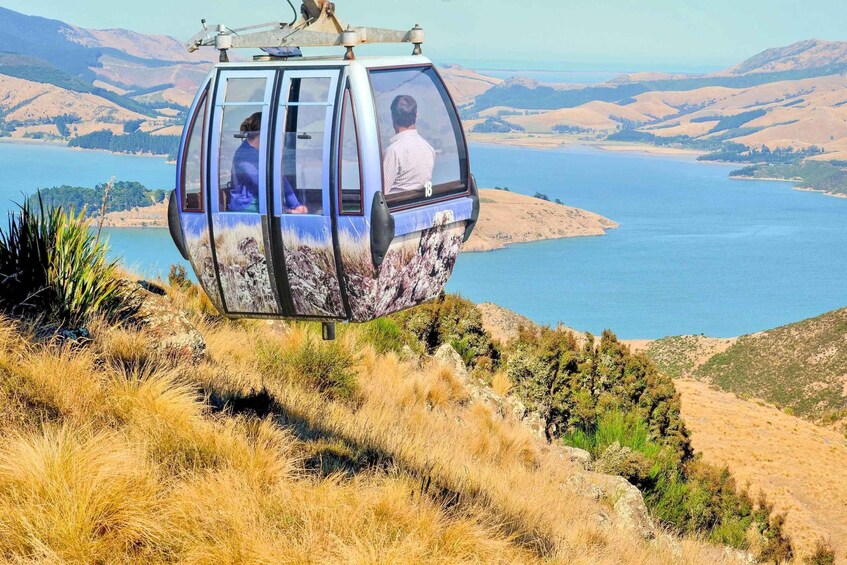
(801,367)
(779,114)
(59,81)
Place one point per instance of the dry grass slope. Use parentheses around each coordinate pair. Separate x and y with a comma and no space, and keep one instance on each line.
(114,454)
(800,466)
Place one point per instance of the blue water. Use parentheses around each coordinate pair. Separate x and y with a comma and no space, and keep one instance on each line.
(28,167)
(696,252)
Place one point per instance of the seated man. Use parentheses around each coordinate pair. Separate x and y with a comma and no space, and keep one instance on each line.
(409,159)
(244,193)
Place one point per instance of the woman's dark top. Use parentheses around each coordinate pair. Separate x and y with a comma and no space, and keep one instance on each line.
(244,194)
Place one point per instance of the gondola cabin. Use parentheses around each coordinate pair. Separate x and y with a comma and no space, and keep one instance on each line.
(324,189)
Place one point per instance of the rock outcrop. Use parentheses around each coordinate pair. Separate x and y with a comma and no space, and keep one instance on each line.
(625,499)
(169,331)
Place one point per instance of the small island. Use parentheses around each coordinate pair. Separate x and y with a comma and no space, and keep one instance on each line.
(506,217)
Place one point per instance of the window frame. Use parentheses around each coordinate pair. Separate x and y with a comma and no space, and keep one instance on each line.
(461,140)
(203,104)
(220,105)
(347,98)
(283,107)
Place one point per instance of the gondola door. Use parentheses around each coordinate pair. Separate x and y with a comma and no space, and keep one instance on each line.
(302,207)
(239,207)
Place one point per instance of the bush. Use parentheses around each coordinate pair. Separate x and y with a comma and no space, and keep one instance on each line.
(53,268)
(384,334)
(328,367)
(823,554)
(602,398)
(450,319)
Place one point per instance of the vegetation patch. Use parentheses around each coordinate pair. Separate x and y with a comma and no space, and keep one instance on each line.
(597,395)
(800,366)
(496,125)
(122,196)
(824,176)
(135,142)
(54,268)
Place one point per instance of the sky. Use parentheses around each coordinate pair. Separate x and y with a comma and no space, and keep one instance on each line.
(544,34)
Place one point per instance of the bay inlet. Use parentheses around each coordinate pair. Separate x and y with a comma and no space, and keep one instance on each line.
(696,252)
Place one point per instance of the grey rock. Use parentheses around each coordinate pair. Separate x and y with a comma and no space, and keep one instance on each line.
(579,457)
(626,500)
(449,357)
(168,329)
(629,506)
(508,406)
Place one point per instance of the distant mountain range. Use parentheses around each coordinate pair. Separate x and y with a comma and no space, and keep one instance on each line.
(63,81)
(60,81)
(774,111)
(793,96)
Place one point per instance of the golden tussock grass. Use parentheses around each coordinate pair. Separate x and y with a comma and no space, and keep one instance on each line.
(500,383)
(113,455)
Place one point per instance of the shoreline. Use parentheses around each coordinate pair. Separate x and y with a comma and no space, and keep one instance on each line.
(796,186)
(552,141)
(64,145)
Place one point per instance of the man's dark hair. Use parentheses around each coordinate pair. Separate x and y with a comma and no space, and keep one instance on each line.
(404,111)
(252,126)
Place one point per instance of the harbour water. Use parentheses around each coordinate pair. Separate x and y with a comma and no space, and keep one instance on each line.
(696,252)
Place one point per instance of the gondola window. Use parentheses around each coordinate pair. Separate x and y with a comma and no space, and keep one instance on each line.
(423,149)
(192,170)
(242,143)
(351,174)
(306,107)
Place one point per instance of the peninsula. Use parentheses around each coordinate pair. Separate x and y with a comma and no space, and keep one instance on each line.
(505,218)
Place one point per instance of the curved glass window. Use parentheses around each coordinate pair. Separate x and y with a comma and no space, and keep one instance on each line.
(193,160)
(423,150)
(350,172)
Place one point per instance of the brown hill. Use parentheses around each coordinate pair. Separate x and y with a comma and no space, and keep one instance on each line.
(801,467)
(809,54)
(156,47)
(465,84)
(789,97)
(506,218)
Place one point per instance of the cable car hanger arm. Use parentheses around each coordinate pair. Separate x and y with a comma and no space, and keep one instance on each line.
(325,30)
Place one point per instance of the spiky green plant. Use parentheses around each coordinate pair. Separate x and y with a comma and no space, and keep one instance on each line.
(52,267)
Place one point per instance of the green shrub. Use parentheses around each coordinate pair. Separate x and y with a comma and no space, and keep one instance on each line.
(53,268)
(823,554)
(450,319)
(178,277)
(328,367)
(627,430)
(602,398)
(384,334)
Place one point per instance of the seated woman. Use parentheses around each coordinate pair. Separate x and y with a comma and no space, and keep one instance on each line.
(244,192)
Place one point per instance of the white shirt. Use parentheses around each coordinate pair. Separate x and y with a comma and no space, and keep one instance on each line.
(409,162)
